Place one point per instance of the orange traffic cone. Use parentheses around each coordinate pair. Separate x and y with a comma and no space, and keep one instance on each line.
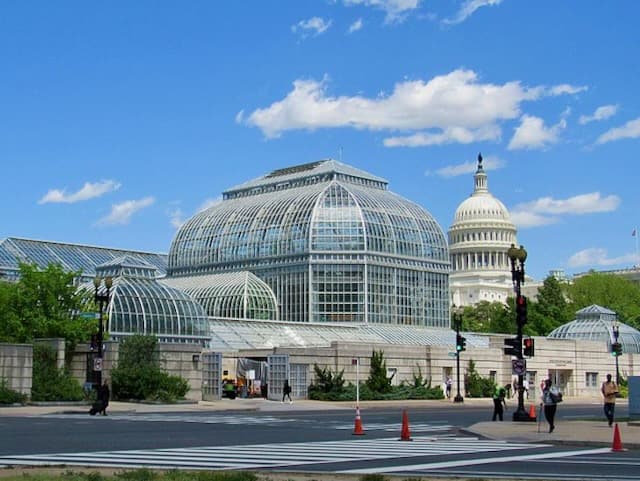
(358,426)
(617,441)
(405,434)
(532,412)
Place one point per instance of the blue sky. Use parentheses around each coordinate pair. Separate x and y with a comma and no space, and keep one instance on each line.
(119,120)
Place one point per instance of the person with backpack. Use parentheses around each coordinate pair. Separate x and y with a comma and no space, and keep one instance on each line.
(286,391)
(609,391)
(551,396)
(499,403)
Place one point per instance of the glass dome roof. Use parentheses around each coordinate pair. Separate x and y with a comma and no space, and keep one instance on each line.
(139,304)
(595,323)
(236,295)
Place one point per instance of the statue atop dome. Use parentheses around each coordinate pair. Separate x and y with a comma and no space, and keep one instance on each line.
(479,161)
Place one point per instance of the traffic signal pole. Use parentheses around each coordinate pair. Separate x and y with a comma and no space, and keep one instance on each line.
(457,318)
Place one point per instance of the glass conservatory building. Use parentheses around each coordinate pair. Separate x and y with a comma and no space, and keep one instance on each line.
(139,304)
(332,243)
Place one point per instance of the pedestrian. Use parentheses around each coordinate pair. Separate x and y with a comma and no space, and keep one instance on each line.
(286,391)
(551,396)
(609,391)
(525,386)
(448,385)
(499,403)
(507,389)
(102,400)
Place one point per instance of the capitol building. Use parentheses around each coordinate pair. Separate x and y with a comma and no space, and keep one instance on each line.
(481,234)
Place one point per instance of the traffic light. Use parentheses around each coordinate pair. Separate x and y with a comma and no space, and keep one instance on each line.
(512,347)
(461,343)
(616,349)
(528,347)
(521,310)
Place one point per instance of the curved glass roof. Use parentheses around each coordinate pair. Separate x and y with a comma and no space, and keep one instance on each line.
(139,304)
(595,323)
(239,295)
(322,210)
(72,257)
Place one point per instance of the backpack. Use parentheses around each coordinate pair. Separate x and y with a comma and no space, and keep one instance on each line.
(555,394)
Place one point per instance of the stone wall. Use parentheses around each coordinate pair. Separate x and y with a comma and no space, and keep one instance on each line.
(16,366)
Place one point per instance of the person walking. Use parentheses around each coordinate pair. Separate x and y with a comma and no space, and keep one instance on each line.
(609,391)
(551,396)
(499,403)
(286,391)
(448,385)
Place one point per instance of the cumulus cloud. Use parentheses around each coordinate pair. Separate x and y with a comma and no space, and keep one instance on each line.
(599,257)
(601,113)
(311,27)
(121,213)
(457,104)
(488,163)
(460,135)
(88,191)
(548,210)
(630,130)
(468,8)
(176,217)
(533,134)
(355,26)
(396,10)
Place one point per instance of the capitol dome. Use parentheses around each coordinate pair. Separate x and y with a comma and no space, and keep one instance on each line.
(479,238)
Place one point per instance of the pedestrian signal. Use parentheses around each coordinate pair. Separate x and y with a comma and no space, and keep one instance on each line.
(528,346)
(616,349)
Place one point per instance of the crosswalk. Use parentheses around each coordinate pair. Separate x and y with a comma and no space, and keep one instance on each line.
(271,456)
(251,420)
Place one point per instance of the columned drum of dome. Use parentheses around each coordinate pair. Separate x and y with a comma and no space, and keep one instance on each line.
(139,304)
(330,240)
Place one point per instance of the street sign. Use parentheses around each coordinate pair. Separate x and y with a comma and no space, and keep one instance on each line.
(519,366)
(89,315)
(97,364)
(453,354)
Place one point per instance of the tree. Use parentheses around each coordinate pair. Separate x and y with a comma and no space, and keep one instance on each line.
(488,317)
(378,380)
(43,303)
(607,290)
(549,310)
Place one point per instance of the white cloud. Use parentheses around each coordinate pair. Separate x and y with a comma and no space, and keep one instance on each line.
(449,135)
(121,213)
(457,100)
(488,163)
(468,8)
(314,26)
(533,134)
(355,26)
(209,203)
(396,10)
(630,130)
(601,113)
(599,257)
(548,210)
(176,217)
(564,89)
(88,191)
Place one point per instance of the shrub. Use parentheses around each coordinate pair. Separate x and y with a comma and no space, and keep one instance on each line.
(9,396)
(139,376)
(50,383)
(476,385)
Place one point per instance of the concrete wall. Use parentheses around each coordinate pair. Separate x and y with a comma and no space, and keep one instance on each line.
(16,366)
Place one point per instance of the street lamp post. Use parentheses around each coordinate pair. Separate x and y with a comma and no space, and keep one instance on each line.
(102,300)
(457,324)
(518,256)
(616,335)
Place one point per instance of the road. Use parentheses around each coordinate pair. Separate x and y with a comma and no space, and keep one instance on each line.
(307,441)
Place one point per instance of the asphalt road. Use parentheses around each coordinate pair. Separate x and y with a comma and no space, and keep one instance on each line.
(308,441)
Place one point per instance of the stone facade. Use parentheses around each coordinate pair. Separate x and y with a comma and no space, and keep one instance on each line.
(16,366)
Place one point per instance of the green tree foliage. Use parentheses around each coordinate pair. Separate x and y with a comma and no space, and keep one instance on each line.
(549,310)
(487,316)
(50,383)
(327,385)
(9,396)
(613,292)
(378,380)
(475,384)
(138,374)
(43,303)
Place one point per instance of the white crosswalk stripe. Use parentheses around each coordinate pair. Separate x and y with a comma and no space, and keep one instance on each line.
(271,455)
(185,418)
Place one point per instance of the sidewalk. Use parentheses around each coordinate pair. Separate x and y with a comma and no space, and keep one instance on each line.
(566,432)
